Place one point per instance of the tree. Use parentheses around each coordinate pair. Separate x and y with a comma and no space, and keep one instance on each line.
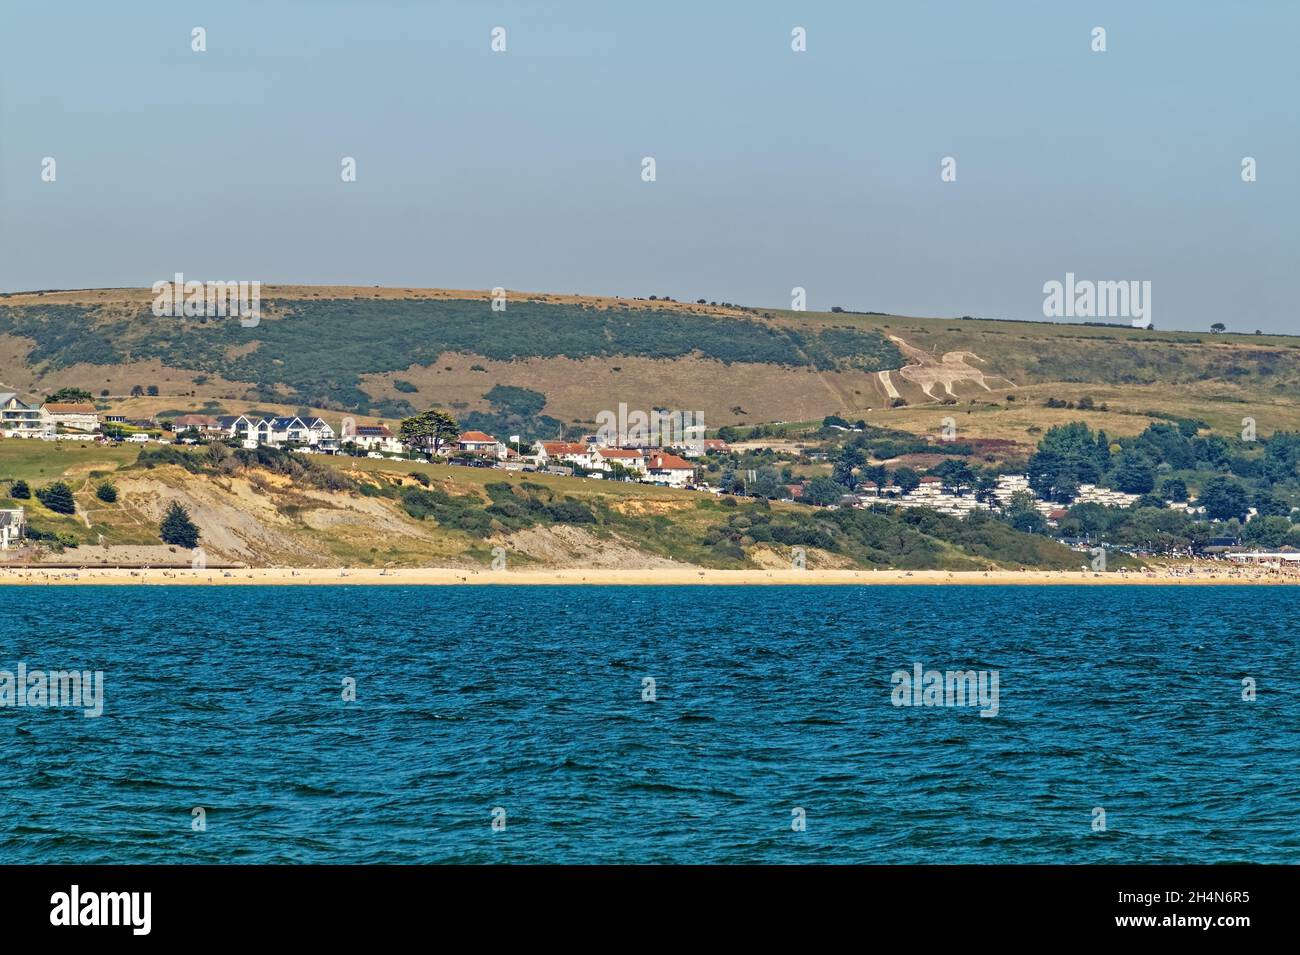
(1134,474)
(68,395)
(58,498)
(954,473)
(1023,515)
(152,391)
(1224,499)
(136,391)
(106,492)
(20,491)
(850,457)
(1065,488)
(1175,489)
(429,430)
(822,491)
(1267,530)
(906,479)
(767,483)
(1218,327)
(177,528)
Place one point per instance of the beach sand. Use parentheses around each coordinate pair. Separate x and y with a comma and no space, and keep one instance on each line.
(652,576)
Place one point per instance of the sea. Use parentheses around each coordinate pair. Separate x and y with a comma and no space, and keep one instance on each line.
(649,725)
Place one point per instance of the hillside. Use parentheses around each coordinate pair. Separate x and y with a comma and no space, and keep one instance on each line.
(551,362)
(270,508)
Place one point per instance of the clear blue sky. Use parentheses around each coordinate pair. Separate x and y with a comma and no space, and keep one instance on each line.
(775,168)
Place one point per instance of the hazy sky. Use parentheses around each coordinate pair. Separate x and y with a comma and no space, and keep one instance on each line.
(775,169)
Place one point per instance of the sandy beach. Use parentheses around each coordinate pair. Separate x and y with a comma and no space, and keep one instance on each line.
(436,576)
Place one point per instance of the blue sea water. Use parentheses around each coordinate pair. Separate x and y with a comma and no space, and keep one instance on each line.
(767,699)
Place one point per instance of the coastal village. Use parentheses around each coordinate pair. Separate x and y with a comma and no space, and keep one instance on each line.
(679,464)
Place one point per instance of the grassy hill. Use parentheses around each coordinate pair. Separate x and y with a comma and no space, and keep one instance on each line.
(553,362)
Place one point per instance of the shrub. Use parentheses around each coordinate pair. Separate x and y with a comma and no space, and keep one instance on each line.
(106,492)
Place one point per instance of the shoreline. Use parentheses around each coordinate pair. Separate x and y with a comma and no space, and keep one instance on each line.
(670,576)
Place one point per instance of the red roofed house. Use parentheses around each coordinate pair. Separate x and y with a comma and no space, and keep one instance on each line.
(476,442)
(630,458)
(670,469)
(567,452)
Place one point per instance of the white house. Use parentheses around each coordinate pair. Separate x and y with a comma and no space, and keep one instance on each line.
(236,426)
(21,420)
(72,416)
(376,437)
(585,456)
(321,435)
(286,431)
(13,523)
(630,458)
(670,469)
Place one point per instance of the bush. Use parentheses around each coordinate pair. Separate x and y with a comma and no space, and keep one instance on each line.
(20,491)
(106,492)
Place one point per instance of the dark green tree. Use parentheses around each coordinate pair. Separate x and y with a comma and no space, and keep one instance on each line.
(429,431)
(822,491)
(1224,498)
(57,497)
(177,528)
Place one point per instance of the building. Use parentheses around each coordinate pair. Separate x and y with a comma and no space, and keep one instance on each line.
(198,423)
(630,458)
(21,420)
(585,456)
(476,442)
(13,525)
(71,416)
(280,431)
(376,437)
(321,436)
(237,426)
(670,469)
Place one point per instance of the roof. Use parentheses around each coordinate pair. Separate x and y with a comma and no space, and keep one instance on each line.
(279,424)
(476,437)
(80,407)
(668,462)
(564,447)
(227,420)
(931,479)
(626,453)
(373,431)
